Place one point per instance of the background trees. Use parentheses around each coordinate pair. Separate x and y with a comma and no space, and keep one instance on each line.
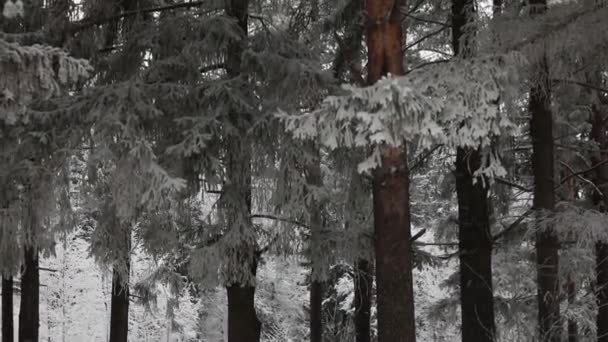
(207,157)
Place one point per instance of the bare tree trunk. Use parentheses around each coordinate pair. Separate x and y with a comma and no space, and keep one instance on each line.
(7,309)
(29,314)
(391,189)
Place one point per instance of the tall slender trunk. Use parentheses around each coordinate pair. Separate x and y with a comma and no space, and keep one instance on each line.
(7,309)
(547,244)
(348,57)
(474,234)
(119,304)
(363,300)
(599,134)
(119,315)
(29,314)
(391,189)
(243,323)
(358,204)
(315,179)
(601,257)
(475,245)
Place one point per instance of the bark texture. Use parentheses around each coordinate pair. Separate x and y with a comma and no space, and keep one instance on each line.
(243,323)
(547,244)
(475,245)
(474,234)
(315,179)
(363,300)
(392,234)
(7,310)
(29,314)
(119,315)
(599,134)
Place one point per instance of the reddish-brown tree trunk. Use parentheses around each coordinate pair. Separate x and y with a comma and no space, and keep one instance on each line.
(7,309)
(29,314)
(391,189)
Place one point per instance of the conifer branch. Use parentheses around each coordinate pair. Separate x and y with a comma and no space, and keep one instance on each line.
(429,21)
(279,219)
(512,226)
(512,184)
(90,22)
(580,84)
(425,37)
(422,157)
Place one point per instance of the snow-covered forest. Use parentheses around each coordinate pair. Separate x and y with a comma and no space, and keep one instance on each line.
(304,170)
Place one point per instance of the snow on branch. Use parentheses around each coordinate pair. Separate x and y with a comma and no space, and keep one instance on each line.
(454,103)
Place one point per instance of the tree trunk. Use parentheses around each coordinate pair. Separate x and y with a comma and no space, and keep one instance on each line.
(599,134)
(475,245)
(474,234)
(29,314)
(7,309)
(316,311)
(363,300)
(547,244)
(358,205)
(243,324)
(391,189)
(119,316)
(318,272)
(601,255)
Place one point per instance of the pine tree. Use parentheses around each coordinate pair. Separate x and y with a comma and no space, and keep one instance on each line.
(547,244)
(391,189)
(474,233)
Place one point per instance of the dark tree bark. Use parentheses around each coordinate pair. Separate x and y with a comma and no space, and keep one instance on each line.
(29,314)
(243,324)
(547,244)
(7,309)
(599,134)
(315,179)
(316,311)
(119,315)
(358,204)
(391,189)
(363,300)
(475,245)
(601,256)
(474,234)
